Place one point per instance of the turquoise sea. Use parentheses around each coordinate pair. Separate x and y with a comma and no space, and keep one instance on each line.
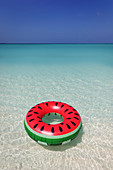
(78,74)
(56,53)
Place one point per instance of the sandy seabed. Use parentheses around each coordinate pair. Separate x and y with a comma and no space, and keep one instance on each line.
(88,88)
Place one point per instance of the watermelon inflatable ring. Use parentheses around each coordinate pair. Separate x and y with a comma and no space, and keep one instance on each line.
(52,123)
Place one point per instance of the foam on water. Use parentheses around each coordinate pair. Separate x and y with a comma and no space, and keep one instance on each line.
(87,86)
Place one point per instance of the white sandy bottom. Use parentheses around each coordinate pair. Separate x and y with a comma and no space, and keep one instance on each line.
(88,88)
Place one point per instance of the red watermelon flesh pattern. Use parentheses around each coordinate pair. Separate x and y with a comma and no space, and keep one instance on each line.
(71,117)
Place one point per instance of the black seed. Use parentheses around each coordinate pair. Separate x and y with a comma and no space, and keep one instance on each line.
(47,104)
(30,110)
(39,121)
(52,129)
(42,128)
(48,124)
(29,115)
(33,107)
(48,114)
(66,110)
(70,106)
(39,107)
(74,109)
(31,120)
(76,114)
(61,123)
(68,118)
(68,126)
(56,103)
(76,118)
(55,114)
(36,112)
(62,106)
(60,129)
(70,112)
(36,125)
(73,123)
(38,117)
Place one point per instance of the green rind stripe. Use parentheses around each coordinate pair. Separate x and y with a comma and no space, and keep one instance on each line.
(51,139)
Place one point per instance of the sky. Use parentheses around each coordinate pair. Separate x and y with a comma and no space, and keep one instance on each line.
(56,21)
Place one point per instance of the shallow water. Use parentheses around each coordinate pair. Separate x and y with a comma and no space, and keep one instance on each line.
(80,75)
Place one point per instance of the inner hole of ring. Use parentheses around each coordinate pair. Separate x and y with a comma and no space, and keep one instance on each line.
(52,118)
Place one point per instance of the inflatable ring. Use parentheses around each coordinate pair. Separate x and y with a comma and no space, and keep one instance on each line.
(60,132)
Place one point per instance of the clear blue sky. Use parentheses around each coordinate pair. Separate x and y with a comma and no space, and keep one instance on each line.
(56,21)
